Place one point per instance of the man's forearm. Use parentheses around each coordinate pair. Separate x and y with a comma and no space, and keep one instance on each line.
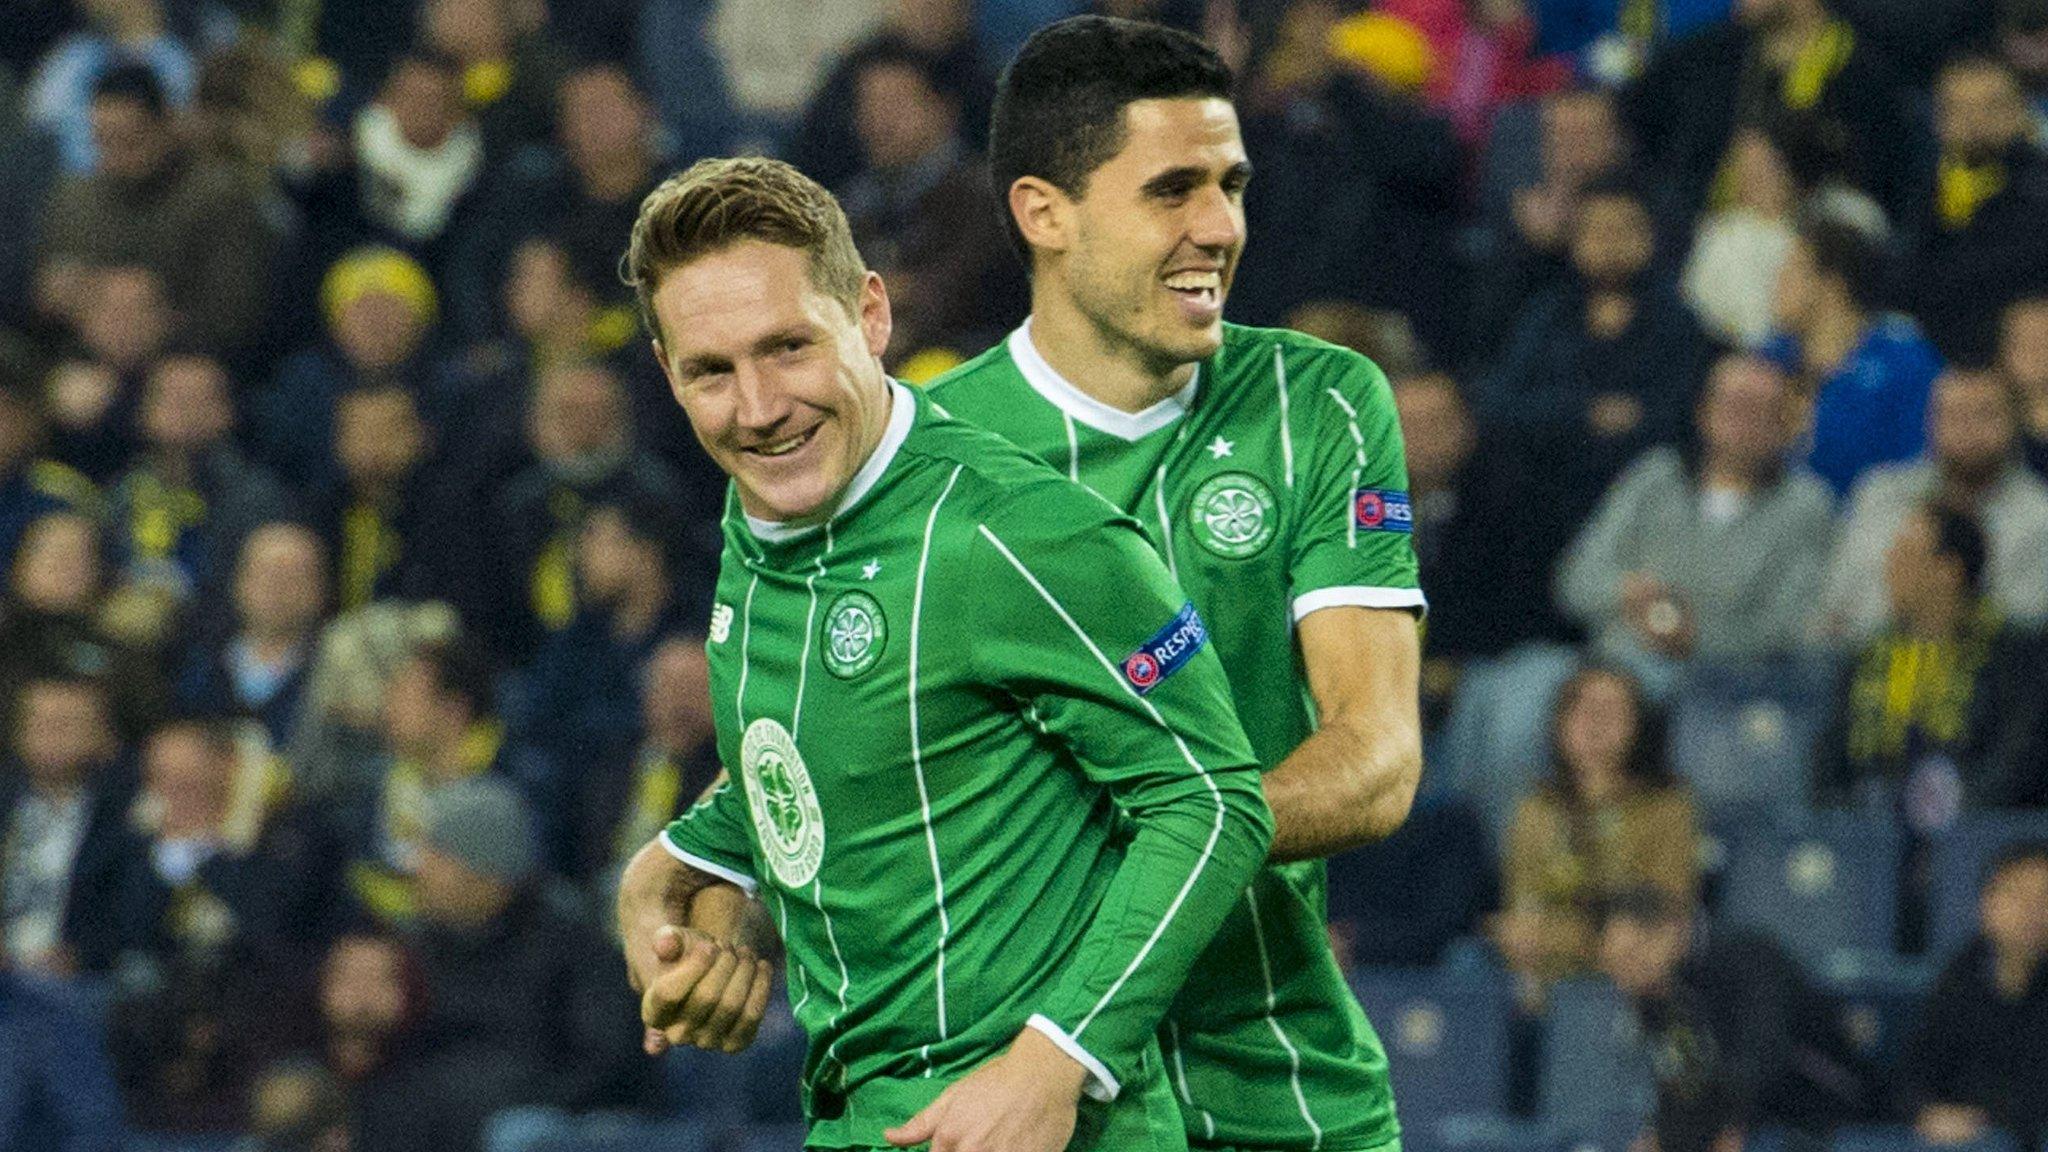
(1350,783)
(658,889)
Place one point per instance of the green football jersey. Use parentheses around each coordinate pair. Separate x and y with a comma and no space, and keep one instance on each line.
(1274,485)
(986,777)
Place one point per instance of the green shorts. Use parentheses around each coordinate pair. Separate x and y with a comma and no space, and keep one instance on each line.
(1393,1145)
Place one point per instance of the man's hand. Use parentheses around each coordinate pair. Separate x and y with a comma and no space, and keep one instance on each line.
(1021,1101)
(1946,1124)
(698,991)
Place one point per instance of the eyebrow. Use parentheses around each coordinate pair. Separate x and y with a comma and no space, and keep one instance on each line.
(711,361)
(1193,175)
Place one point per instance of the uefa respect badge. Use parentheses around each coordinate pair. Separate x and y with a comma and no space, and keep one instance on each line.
(1168,649)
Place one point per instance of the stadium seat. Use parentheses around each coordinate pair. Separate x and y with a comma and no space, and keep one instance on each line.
(1743,737)
(1487,1133)
(1957,866)
(1595,1065)
(1880,995)
(1899,1138)
(1820,884)
(1446,1034)
(769,1138)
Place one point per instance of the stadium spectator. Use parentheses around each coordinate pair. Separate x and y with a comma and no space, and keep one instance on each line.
(2023,43)
(255,663)
(62,805)
(1484,550)
(1578,142)
(636,586)
(1484,57)
(298,1106)
(921,208)
(371,998)
(55,617)
(1712,552)
(31,485)
(1739,246)
(584,454)
(412,159)
(56,1090)
(685,83)
(153,203)
(93,391)
(379,308)
(1975,468)
(1798,70)
(1738,1037)
(1941,710)
(178,516)
(118,33)
(1868,372)
(440,728)
(210,981)
(1972,1060)
(2023,355)
(387,519)
(526,996)
(1982,245)
(622,806)
(580,195)
(338,749)
(1610,818)
(774,52)
(1602,366)
(938,33)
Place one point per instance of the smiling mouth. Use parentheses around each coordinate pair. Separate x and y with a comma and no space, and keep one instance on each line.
(784,447)
(1201,286)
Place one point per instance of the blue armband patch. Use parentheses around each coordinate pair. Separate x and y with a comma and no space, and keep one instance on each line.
(1163,655)
(1382,510)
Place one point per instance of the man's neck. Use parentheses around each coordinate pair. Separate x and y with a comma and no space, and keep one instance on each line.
(57,789)
(1784,43)
(1971,488)
(1832,336)
(1108,369)
(1718,473)
(641,608)
(1939,618)
(616,177)
(2013,973)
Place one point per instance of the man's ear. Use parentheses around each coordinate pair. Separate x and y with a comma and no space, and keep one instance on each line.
(876,322)
(1044,213)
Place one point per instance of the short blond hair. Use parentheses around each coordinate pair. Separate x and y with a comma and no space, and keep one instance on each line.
(717,203)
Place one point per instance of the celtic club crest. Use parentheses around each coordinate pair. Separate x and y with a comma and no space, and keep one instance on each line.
(783,803)
(1233,515)
(854,634)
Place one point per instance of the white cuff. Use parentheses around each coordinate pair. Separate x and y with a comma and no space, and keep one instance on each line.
(745,881)
(1100,1085)
(1357,597)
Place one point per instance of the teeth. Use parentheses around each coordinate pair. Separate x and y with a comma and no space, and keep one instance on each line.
(1195,281)
(784,447)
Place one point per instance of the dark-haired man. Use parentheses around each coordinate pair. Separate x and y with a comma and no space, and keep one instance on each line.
(1266,468)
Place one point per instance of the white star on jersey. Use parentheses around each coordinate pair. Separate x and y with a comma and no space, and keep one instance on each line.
(870,570)
(1220,448)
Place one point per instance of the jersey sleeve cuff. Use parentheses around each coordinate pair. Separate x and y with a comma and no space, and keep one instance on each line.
(746,883)
(1358,597)
(1100,1085)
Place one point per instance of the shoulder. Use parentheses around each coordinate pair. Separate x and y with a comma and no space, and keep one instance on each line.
(1887,487)
(1660,468)
(959,385)
(1302,362)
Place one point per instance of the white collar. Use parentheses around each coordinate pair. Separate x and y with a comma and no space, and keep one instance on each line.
(902,414)
(1086,409)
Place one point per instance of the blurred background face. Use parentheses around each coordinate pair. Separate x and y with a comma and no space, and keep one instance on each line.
(1640,955)
(2014,908)
(1598,727)
(419,720)
(362,987)
(1915,571)
(57,566)
(1797,295)
(602,116)
(469,30)
(1612,244)
(542,295)
(1979,112)
(129,318)
(20,426)
(1763,181)
(609,556)
(131,142)
(378,331)
(675,702)
(63,731)
(281,585)
(1581,137)
(187,775)
(1436,428)
(1746,417)
(900,117)
(579,410)
(2023,348)
(185,406)
(379,438)
(426,103)
(450,893)
(1971,425)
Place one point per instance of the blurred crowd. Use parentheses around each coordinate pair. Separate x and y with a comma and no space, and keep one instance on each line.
(357,562)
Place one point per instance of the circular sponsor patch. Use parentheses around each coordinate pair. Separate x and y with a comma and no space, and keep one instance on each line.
(782,802)
(1372,509)
(855,633)
(1232,515)
(1142,669)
